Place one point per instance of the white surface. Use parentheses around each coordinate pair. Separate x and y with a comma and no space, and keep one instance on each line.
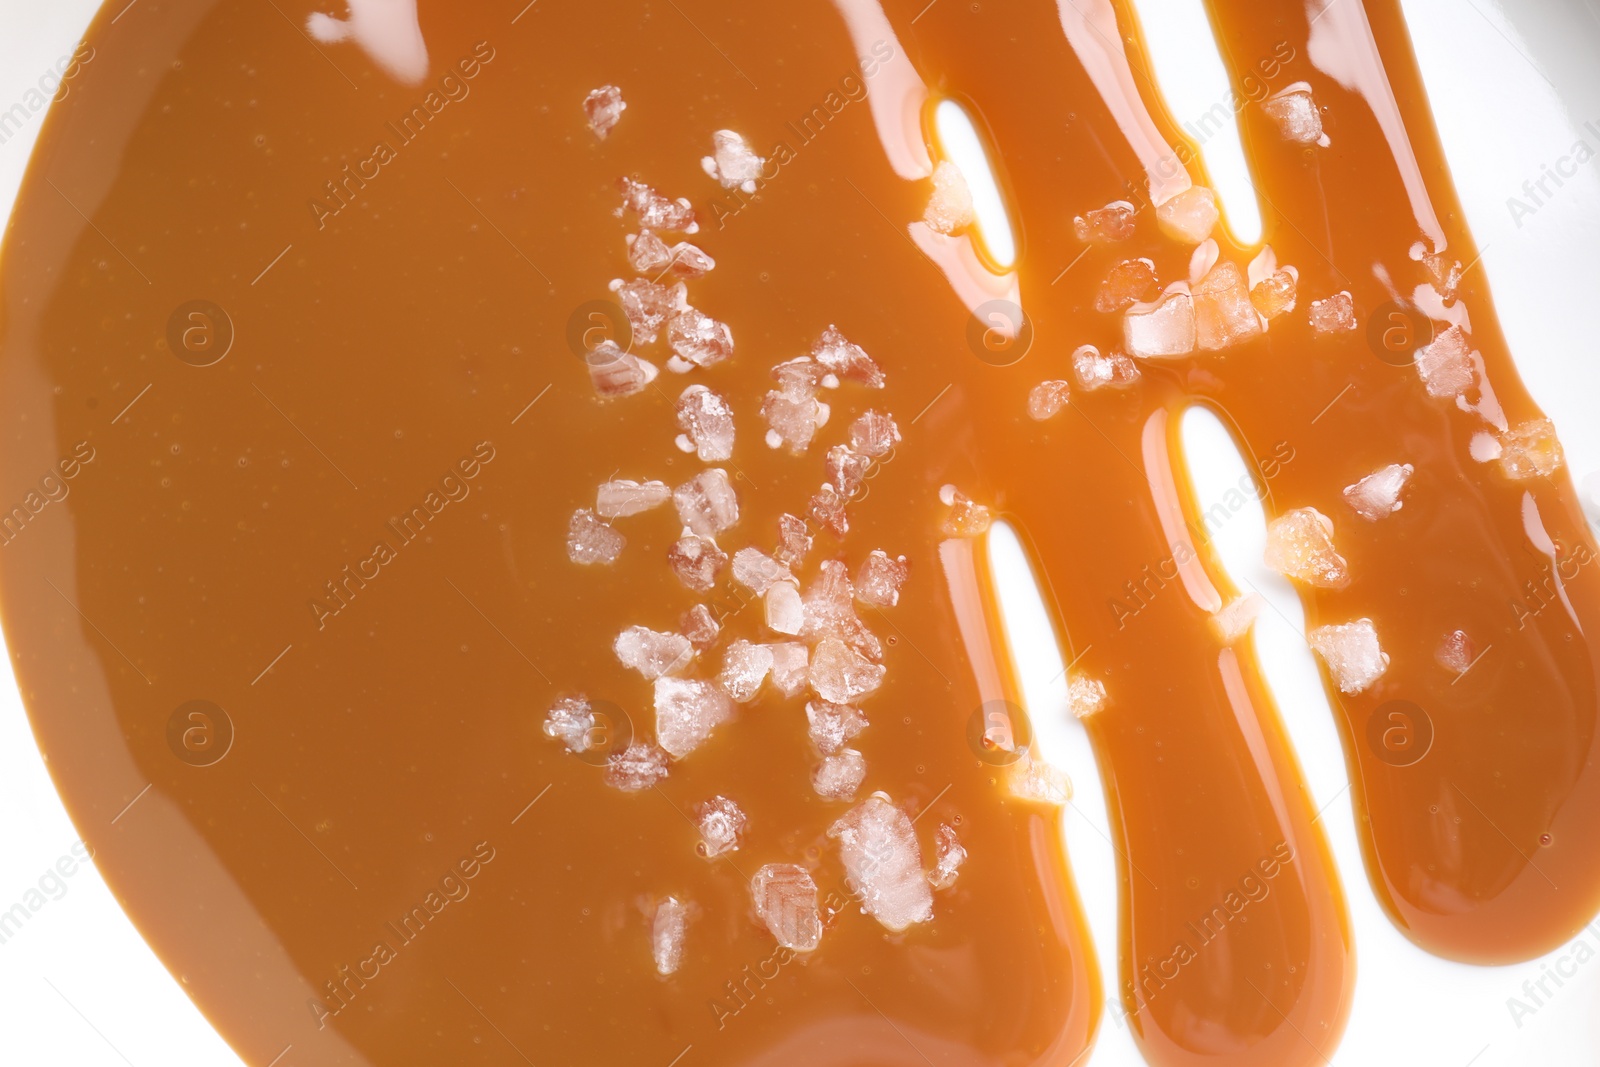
(80,987)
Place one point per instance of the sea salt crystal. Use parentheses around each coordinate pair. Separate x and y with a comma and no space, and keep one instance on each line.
(786,901)
(783,608)
(1129,282)
(846,359)
(667,932)
(838,776)
(647,253)
(757,571)
(707,423)
(732,162)
(699,626)
(950,205)
(794,540)
(696,561)
(744,668)
(1300,546)
(1297,116)
(1034,779)
(965,519)
(1445,273)
(1456,652)
(591,541)
(1161,330)
(617,373)
(706,503)
(621,497)
(1223,313)
(883,863)
(687,710)
(831,725)
(826,508)
(655,211)
(698,339)
(649,305)
(1085,696)
(1105,225)
(603,107)
(651,652)
(721,823)
(791,662)
(1530,450)
(1355,659)
(1445,364)
(1378,494)
(792,410)
(1190,216)
(1046,399)
(879,579)
(1336,314)
(840,674)
(570,721)
(1236,618)
(1094,371)
(636,768)
(949,855)
(874,433)
(847,469)
(1274,295)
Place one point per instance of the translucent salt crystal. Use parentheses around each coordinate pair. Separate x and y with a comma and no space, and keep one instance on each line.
(1105,225)
(733,162)
(840,674)
(651,652)
(1530,450)
(687,710)
(621,497)
(879,579)
(826,508)
(846,359)
(617,373)
(883,863)
(1094,371)
(801,373)
(965,519)
(874,433)
(1204,257)
(1034,779)
(1223,313)
(1275,294)
(591,541)
(1456,652)
(1130,282)
(667,932)
(699,626)
(647,253)
(1297,116)
(1446,364)
(847,469)
(638,767)
(783,608)
(1300,546)
(838,776)
(791,663)
(950,206)
(1085,696)
(656,211)
(1355,659)
(1160,330)
(1336,314)
(792,410)
(1236,618)
(1190,216)
(1046,399)
(603,107)
(707,421)
(696,561)
(706,503)
(1378,494)
(570,721)
(786,900)
(744,668)
(756,570)
(831,725)
(1445,273)
(649,305)
(698,339)
(794,540)
(948,854)
(721,823)
(830,609)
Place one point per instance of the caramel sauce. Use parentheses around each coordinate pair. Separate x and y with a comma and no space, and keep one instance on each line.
(345,534)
